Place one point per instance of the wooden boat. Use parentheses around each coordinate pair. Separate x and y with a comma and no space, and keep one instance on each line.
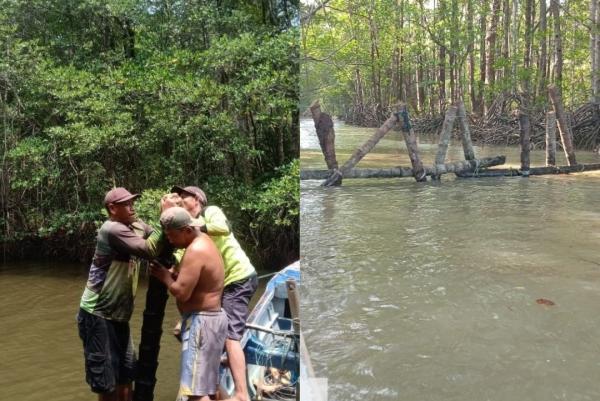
(271,342)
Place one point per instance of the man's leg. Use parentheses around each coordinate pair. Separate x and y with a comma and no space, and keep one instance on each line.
(112,396)
(237,364)
(124,392)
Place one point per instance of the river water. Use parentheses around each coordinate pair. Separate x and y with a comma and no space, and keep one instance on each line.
(41,353)
(427,291)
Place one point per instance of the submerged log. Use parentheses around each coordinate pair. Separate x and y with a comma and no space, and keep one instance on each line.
(325,133)
(550,138)
(399,172)
(563,127)
(532,171)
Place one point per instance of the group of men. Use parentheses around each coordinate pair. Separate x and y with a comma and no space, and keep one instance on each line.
(212,283)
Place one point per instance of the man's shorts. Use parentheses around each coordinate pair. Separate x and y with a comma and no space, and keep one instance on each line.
(108,352)
(203,339)
(236,297)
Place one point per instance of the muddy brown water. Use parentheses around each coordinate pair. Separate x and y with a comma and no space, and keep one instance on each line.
(41,353)
(429,291)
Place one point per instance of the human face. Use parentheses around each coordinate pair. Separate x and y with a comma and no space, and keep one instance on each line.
(123,212)
(177,236)
(190,203)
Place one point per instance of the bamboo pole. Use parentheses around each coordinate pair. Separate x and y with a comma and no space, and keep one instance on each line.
(525,127)
(550,138)
(445,135)
(563,128)
(466,132)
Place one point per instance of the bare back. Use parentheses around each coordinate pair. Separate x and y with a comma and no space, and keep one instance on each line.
(202,268)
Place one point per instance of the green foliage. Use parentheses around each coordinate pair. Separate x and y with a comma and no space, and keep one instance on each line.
(142,94)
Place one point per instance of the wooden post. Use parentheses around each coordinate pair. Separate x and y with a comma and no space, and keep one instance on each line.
(563,128)
(359,153)
(294,301)
(411,144)
(156,300)
(525,126)
(466,132)
(550,139)
(325,133)
(445,137)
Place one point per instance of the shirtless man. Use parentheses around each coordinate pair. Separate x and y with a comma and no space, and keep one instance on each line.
(198,288)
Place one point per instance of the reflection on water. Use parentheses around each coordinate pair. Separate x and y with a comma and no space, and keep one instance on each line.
(427,291)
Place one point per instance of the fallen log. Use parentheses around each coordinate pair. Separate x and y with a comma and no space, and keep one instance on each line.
(532,171)
(393,172)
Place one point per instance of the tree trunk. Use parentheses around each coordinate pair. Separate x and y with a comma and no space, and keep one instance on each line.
(558,52)
(550,138)
(442,79)
(563,127)
(542,77)
(594,47)
(506,38)
(470,51)
(482,67)
(514,38)
(527,48)
(491,35)
(420,85)
(462,166)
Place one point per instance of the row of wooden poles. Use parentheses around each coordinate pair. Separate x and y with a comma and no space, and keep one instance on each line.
(470,167)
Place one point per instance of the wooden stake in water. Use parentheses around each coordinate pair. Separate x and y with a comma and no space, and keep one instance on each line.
(563,127)
(525,126)
(466,132)
(550,138)
(445,137)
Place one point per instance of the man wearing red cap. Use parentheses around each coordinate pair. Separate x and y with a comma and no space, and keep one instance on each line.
(107,301)
(240,279)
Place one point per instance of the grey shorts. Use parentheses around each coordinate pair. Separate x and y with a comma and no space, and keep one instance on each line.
(236,297)
(203,338)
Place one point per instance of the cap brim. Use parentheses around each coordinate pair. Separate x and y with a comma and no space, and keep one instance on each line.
(177,189)
(128,198)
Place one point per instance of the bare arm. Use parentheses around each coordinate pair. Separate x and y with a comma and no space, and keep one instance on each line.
(189,273)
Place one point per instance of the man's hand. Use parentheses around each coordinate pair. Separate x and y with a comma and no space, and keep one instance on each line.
(170,200)
(161,273)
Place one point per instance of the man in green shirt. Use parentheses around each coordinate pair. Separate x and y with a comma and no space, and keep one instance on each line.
(107,301)
(240,279)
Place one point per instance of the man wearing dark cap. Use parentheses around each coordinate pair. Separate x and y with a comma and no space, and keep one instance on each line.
(197,287)
(107,301)
(240,279)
